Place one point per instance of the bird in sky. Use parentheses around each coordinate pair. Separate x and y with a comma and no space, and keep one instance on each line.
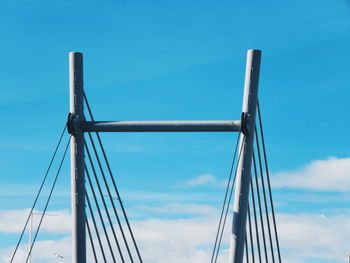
(57,255)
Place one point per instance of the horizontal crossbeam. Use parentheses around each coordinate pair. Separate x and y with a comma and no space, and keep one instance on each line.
(160,126)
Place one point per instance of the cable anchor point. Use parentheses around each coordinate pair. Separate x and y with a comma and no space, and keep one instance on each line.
(245,120)
(71,123)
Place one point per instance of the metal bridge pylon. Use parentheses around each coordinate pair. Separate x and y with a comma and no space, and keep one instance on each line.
(78,126)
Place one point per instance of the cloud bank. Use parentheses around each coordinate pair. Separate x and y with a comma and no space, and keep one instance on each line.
(302,237)
(332,174)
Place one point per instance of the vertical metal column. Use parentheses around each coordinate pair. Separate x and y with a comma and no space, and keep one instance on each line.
(77,157)
(241,197)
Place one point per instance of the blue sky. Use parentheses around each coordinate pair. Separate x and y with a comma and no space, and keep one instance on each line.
(182,60)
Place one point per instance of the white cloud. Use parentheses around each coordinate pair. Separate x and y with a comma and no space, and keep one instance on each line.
(12,221)
(42,252)
(202,179)
(305,236)
(173,241)
(302,236)
(205,179)
(183,240)
(332,174)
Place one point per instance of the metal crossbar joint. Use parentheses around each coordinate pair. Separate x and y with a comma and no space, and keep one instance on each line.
(245,120)
(70,128)
(73,124)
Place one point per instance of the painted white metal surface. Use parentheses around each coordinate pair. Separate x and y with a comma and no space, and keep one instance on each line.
(243,176)
(77,159)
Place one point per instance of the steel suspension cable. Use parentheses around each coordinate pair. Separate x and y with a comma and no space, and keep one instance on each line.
(251,235)
(260,209)
(268,181)
(229,200)
(95,226)
(48,199)
(104,202)
(110,196)
(113,182)
(264,195)
(225,199)
(99,213)
(246,247)
(91,240)
(39,192)
(255,219)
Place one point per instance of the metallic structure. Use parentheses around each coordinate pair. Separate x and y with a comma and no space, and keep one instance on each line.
(161,126)
(77,157)
(240,205)
(77,126)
